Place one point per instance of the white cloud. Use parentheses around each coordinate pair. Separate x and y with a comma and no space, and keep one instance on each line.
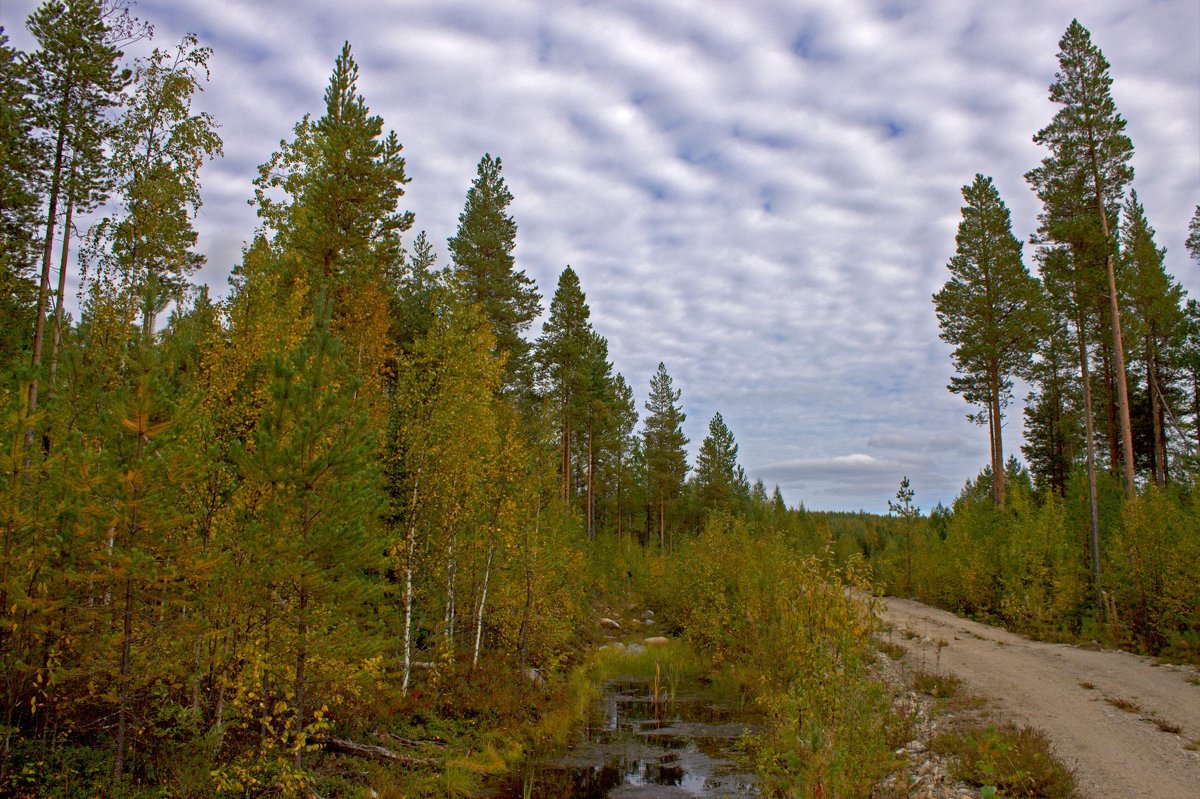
(762,194)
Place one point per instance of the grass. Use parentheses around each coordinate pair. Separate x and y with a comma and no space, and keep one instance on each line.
(1015,761)
(1121,703)
(1167,727)
(1087,686)
(940,686)
(891,649)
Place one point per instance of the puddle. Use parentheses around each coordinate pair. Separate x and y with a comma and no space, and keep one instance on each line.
(632,747)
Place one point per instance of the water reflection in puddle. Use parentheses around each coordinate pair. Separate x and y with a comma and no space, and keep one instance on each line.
(633,748)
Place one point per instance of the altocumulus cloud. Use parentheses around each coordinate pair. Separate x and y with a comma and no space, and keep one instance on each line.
(762,194)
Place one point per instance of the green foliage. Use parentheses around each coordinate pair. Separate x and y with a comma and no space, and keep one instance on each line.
(485,271)
(1011,760)
(18,202)
(789,619)
(663,445)
(989,310)
(720,483)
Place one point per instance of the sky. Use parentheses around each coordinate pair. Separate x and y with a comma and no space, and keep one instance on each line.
(762,194)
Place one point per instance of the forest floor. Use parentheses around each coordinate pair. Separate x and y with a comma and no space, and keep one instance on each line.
(1127,725)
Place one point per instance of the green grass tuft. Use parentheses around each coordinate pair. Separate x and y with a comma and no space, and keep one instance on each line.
(1015,761)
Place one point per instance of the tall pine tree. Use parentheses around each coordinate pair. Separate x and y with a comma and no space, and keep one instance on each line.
(989,312)
(1089,161)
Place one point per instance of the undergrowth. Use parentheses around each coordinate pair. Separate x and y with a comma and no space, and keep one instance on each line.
(1013,761)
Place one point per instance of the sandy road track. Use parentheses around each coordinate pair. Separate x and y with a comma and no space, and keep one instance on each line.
(1115,752)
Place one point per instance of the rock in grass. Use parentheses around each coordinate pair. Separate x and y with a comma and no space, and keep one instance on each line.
(655,640)
(609,624)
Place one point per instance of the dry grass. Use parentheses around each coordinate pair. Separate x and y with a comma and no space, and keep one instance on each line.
(1121,703)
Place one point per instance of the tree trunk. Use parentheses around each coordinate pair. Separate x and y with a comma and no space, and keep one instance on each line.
(591,478)
(56,342)
(997,441)
(1090,438)
(565,464)
(301,661)
(1118,346)
(39,327)
(487,572)
(1110,408)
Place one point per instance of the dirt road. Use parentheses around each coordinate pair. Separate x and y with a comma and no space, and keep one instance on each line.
(1069,692)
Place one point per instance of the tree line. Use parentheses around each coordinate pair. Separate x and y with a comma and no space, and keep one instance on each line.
(230,527)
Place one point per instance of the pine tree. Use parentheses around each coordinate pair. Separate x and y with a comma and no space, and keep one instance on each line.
(624,448)
(1193,237)
(717,477)
(1052,418)
(18,203)
(908,514)
(666,458)
(77,78)
(989,311)
(415,292)
(1156,302)
(337,228)
(485,271)
(310,471)
(561,356)
(1088,165)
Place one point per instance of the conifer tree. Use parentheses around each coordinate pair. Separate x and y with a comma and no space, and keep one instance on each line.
(1085,176)
(989,311)
(1156,302)
(717,477)
(561,356)
(311,473)
(18,202)
(1193,238)
(337,228)
(485,272)
(1052,418)
(625,445)
(76,79)
(663,444)
(415,293)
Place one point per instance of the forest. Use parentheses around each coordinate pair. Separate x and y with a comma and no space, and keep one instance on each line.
(358,500)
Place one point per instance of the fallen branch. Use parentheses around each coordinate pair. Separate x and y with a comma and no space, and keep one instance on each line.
(408,741)
(369,751)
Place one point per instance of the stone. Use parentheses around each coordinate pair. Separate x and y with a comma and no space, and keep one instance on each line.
(635,649)
(609,623)
(655,640)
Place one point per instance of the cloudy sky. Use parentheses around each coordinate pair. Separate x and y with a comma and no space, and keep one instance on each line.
(762,194)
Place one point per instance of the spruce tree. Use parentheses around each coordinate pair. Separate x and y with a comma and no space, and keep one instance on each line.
(989,311)
(485,271)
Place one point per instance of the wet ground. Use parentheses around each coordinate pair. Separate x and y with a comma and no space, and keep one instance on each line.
(634,747)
